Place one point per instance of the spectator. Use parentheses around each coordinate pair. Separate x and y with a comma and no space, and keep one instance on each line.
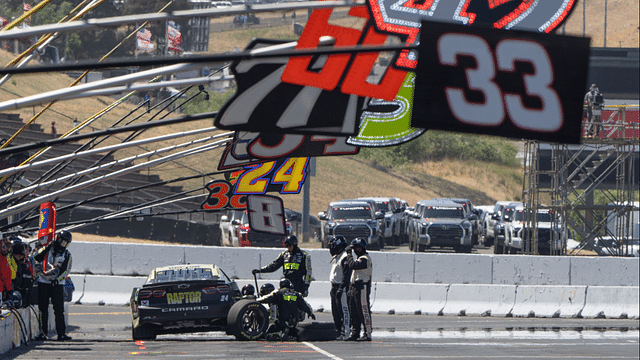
(54,132)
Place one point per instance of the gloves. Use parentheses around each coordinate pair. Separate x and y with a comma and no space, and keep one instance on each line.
(311,316)
(305,293)
(255,271)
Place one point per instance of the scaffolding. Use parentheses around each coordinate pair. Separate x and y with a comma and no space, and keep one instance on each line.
(591,188)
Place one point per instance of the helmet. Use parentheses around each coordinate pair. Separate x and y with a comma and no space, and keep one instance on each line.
(248,290)
(291,240)
(266,289)
(286,283)
(18,248)
(337,244)
(64,238)
(359,243)
(15,300)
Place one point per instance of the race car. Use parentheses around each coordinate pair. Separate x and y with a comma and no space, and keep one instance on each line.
(194,298)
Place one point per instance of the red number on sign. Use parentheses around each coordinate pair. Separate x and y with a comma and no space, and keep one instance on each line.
(221,197)
(297,70)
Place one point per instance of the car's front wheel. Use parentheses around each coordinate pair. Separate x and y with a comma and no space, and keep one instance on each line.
(248,320)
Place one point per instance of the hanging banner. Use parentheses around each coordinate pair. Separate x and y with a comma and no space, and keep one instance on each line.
(143,41)
(266,214)
(47,223)
(253,148)
(174,37)
(514,84)
(365,96)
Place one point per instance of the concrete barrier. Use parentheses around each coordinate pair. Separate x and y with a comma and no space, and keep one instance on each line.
(450,268)
(480,300)
(109,290)
(605,271)
(602,302)
(139,259)
(549,301)
(531,270)
(408,298)
(12,331)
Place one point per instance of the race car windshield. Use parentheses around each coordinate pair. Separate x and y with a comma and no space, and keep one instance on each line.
(186,274)
(432,212)
(356,212)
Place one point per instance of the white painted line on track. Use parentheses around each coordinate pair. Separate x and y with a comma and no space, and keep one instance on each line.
(325,353)
(511,335)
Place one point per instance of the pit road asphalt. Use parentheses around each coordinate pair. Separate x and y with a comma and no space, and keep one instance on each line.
(104,332)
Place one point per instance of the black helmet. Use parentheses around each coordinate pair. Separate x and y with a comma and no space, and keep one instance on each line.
(267,289)
(286,283)
(359,243)
(248,290)
(291,240)
(18,248)
(337,244)
(64,238)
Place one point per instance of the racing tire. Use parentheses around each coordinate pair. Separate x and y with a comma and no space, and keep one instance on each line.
(247,320)
(317,331)
(142,332)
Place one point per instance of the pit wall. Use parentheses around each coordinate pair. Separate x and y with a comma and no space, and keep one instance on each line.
(388,267)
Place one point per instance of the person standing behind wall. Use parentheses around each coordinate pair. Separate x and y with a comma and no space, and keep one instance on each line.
(54,132)
(339,278)
(360,289)
(56,265)
(6,286)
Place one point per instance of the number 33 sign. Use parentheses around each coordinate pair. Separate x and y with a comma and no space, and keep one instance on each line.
(507,83)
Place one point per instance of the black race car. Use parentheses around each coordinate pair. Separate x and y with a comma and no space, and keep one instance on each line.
(194,298)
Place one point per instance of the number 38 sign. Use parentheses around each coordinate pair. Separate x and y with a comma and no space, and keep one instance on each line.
(507,83)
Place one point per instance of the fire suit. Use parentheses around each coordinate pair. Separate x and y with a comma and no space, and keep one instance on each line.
(296,267)
(339,277)
(359,294)
(56,265)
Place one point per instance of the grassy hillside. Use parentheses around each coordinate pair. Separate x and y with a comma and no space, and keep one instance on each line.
(337,177)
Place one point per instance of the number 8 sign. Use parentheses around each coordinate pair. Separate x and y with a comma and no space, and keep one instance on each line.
(500,82)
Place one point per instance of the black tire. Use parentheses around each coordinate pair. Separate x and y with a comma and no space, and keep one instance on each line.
(248,320)
(410,246)
(317,331)
(420,248)
(498,249)
(142,332)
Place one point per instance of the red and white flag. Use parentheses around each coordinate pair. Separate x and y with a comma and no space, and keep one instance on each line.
(26,7)
(143,41)
(174,37)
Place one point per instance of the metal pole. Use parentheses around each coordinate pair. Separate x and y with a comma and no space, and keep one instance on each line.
(605,23)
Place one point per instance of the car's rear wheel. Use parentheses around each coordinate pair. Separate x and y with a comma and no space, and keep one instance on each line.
(248,320)
(142,332)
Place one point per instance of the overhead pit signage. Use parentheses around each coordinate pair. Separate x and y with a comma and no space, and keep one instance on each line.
(488,81)
(367,96)
(249,148)
(285,176)
(266,214)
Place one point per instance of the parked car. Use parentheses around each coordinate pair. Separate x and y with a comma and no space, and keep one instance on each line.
(440,223)
(472,215)
(392,218)
(489,224)
(229,225)
(351,219)
(248,237)
(501,226)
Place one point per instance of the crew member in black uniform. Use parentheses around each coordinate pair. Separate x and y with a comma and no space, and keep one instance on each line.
(24,276)
(339,278)
(360,289)
(296,265)
(56,265)
(289,303)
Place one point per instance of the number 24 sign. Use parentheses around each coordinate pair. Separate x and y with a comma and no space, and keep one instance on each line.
(512,83)
(284,176)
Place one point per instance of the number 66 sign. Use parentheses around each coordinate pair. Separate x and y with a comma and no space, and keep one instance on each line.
(512,83)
